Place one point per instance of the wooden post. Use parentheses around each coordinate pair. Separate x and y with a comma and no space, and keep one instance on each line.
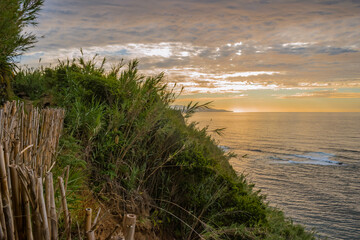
(129,226)
(90,235)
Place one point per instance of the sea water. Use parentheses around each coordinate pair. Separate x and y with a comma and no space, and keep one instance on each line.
(308,164)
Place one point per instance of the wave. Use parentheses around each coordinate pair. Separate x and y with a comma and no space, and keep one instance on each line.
(313,158)
(345,150)
(318,156)
(224,148)
(275,158)
(255,150)
(327,163)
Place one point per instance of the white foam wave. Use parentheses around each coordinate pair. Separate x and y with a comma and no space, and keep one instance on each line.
(313,158)
(224,148)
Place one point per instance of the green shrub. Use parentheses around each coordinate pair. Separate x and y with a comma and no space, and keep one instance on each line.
(29,83)
(145,158)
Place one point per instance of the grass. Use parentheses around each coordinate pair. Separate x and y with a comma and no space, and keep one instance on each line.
(143,157)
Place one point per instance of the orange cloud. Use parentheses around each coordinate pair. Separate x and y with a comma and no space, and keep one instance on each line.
(323,94)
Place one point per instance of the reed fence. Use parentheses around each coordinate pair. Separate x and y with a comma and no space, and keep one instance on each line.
(28,141)
(29,138)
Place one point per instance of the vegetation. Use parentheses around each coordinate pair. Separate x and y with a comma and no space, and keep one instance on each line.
(143,157)
(136,154)
(15,16)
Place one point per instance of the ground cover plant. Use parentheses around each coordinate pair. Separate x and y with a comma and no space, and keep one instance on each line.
(142,156)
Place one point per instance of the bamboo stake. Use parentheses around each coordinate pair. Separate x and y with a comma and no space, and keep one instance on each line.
(2,236)
(16,200)
(89,234)
(129,226)
(36,211)
(47,198)
(7,163)
(25,193)
(5,196)
(9,223)
(29,232)
(65,208)
(53,215)
(2,218)
(42,207)
(16,151)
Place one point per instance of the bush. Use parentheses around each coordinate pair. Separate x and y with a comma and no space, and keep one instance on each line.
(145,158)
(29,83)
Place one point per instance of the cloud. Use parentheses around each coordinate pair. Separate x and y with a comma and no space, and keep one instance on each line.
(211,45)
(311,48)
(322,94)
(204,22)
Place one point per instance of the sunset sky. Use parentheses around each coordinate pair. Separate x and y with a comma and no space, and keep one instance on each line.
(254,55)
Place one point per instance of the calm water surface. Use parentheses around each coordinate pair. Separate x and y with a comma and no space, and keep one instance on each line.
(308,164)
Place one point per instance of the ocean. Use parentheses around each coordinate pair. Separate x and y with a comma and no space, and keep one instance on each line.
(308,164)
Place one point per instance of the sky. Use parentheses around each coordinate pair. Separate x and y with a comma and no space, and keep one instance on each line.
(244,56)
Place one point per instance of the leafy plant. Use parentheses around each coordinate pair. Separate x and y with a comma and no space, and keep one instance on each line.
(15,15)
(144,157)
